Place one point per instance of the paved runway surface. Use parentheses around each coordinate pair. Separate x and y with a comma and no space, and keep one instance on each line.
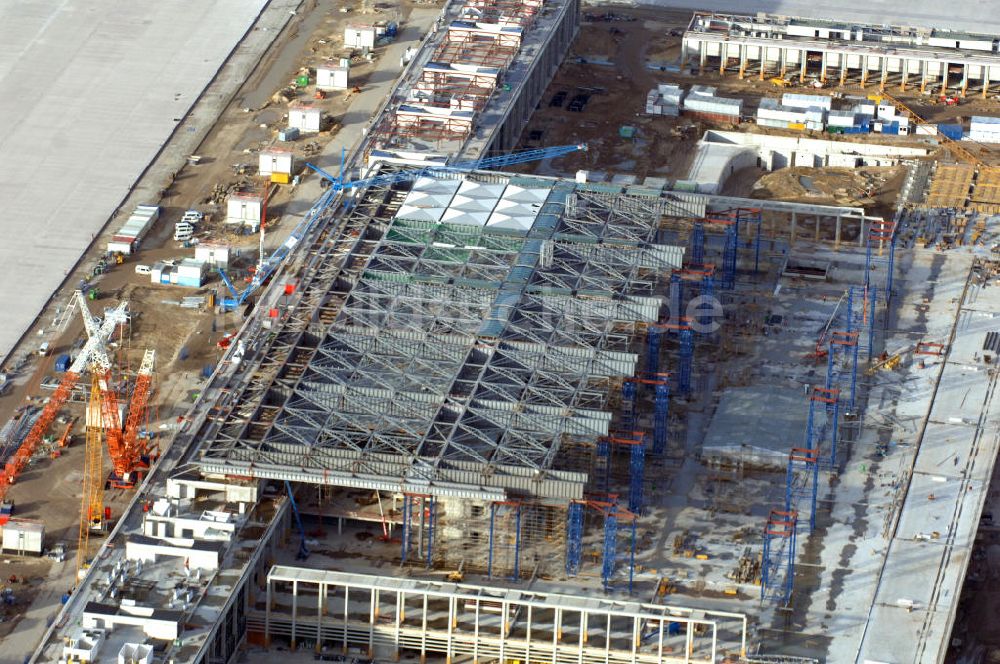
(89,91)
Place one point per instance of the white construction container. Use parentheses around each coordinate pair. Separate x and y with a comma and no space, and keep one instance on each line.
(332,78)
(244,209)
(841,119)
(275,160)
(23,537)
(216,255)
(305,117)
(793,100)
(359,36)
(984,129)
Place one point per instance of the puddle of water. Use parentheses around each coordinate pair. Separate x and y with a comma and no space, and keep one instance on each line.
(284,65)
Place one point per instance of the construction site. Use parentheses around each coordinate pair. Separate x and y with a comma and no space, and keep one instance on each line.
(521,331)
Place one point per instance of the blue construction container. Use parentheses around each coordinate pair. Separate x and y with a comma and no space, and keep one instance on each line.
(890,128)
(63,362)
(952,131)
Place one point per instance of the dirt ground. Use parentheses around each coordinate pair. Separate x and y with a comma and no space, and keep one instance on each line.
(185,339)
(853,187)
(610,61)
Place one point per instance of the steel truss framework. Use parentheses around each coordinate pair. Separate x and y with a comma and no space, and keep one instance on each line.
(452,360)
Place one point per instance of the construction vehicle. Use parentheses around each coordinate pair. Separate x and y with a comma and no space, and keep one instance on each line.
(267,265)
(97,337)
(779,82)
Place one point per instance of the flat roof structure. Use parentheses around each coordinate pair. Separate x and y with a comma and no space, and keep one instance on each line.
(767,45)
(109,82)
(744,433)
(476,329)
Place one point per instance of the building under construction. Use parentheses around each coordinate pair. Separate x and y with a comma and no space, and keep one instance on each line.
(486,416)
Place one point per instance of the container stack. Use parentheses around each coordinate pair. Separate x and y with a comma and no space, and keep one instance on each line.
(188,272)
(772,114)
(664,100)
(839,121)
(702,102)
(130,235)
(984,129)
(793,100)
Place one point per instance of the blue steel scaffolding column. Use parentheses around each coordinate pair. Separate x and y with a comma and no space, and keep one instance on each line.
(629,393)
(574,538)
(685,355)
(754,217)
(425,508)
(842,364)
(635,442)
(698,243)
(880,256)
(822,436)
(802,483)
(861,301)
(661,406)
(495,508)
(653,340)
(778,562)
(614,517)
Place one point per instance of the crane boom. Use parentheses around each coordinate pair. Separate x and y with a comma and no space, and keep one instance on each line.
(98,336)
(949,143)
(337,185)
(136,413)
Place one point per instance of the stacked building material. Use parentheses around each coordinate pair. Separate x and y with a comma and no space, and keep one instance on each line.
(664,100)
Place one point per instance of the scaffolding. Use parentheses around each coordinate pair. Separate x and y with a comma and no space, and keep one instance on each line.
(730,220)
(423,523)
(802,483)
(635,443)
(861,301)
(880,254)
(512,544)
(842,364)
(822,435)
(778,562)
(660,382)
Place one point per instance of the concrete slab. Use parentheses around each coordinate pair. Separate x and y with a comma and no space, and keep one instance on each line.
(89,92)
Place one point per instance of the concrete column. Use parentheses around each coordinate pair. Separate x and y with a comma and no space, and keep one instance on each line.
(986,80)
(923,75)
(885,73)
(724,58)
(782,61)
(822,73)
(372,616)
(320,596)
(944,78)
(843,68)
(295,609)
(267,616)
(817,228)
(399,621)
(743,60)
(347,613)
(791,229)
(864,70)
(803,63)
(836,234)
(703,58)
(423,633)
(965,79)
(904,64)
(763,61)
